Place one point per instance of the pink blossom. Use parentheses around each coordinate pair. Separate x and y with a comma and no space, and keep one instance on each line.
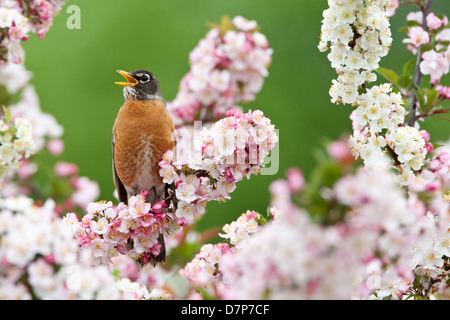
(417,36)
(65,169)
(433,22)
(15,33)
(443,91)
(339,151)
(444,156)
(86,191)
(429,147)
(391,8)
(444,35)
(27,169)
(425,135)
(55,146)
(295,179)
(434,64)
(415,16)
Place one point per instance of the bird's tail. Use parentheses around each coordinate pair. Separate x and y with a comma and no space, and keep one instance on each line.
(161,257)
(155,195)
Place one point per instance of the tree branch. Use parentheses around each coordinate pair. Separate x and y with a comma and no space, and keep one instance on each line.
(418,75)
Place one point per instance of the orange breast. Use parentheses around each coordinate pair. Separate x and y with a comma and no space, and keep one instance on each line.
(143,131)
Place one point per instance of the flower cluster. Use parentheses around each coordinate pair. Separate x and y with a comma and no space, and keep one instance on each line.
(358,34)
(202,270)
(18,19)
(242,228)
(131,230)
(376,125)
(410,148)
(367,255)
(16,144)
(39,258)
(227,66)
(233,148)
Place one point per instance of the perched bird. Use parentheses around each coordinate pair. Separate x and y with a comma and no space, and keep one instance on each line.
(142,133)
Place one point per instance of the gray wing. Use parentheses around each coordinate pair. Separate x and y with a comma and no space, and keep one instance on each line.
(121,191)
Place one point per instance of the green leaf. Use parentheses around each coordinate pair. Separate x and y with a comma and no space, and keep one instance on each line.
(116,274)
(408,66)
(260,219)
(404,81)
(420,96)
(426,47)
(403,30)
(431,94)
(7,114)
(413,23)
(389,74)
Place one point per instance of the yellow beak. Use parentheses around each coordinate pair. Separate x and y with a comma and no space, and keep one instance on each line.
(131,81)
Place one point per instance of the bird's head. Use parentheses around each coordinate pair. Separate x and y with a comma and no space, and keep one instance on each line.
(141,85)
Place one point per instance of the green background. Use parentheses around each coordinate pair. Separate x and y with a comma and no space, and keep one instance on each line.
(74,74)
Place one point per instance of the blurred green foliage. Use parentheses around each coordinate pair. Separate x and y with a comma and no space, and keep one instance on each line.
(74,74)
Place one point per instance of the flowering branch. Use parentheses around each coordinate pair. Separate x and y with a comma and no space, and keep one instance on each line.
(418,75)
(228,66)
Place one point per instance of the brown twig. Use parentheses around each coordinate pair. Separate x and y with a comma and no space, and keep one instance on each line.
(418,75)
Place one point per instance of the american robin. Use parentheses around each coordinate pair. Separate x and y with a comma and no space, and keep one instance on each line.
(142,133)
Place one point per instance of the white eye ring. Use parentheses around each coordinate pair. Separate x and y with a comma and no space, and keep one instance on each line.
(145,78)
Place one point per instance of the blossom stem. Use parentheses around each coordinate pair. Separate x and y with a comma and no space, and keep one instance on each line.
(418,75)
(394,157)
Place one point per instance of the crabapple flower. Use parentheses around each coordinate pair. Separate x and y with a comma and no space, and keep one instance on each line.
(242,228)
(16,144)
(202,270)
(417,36)
(433,22)
(434,64)
(392,7)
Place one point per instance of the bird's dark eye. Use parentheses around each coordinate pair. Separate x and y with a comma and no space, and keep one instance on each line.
(145,78)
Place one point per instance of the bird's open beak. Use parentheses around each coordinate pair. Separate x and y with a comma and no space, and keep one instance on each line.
(131,81)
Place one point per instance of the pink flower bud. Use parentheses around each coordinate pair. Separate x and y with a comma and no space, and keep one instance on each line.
(339,151)
(229,176)
(229,113)
(429,147)
(159,206)
(295,179)
(435,165)
(425,135)
(182,222)
(433,22)
(55,146)
(431,187)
